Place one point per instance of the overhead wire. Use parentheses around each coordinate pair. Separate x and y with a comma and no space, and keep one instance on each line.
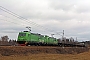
(10,21)
(44,29)
(17,16)
(17,23)
(28,21)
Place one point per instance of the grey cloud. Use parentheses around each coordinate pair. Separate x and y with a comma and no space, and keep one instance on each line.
(83,9)
(56,15)
(62,4)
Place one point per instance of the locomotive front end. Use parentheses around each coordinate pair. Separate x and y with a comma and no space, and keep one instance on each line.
(22,38)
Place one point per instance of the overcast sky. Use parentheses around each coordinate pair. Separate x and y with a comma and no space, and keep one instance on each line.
(47,17)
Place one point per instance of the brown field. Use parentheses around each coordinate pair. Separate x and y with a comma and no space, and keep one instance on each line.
(43,53)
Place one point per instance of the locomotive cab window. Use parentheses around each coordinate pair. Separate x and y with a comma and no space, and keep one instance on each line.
(22,34)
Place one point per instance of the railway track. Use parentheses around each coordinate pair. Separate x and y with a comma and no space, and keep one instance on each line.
(8,46)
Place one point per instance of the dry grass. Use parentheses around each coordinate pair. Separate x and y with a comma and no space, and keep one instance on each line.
(44,56)
(82,56)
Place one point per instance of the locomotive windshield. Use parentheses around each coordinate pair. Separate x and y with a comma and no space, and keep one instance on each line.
(22,34)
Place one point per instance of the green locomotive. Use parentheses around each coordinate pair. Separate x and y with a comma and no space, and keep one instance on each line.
(28,38)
